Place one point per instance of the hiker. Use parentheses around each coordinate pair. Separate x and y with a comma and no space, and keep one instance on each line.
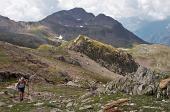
(21,87)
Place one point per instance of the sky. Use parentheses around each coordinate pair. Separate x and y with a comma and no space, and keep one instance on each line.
(34,10)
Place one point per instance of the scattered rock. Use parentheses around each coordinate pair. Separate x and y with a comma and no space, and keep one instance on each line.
(143,82)
(86,107)
(68,60)
(10,106)
(55,110)
(69,104)
(113,104)
(73,61)
(2,104)
(36,79)
(38,104)
(61,58)
(71,83)
(87,95)
(65,76)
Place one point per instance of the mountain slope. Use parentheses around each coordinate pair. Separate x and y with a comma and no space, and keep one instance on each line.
(74,72)
(71,23)
(26,34)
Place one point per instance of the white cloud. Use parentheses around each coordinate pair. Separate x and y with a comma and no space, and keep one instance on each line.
(28,10)
(32,10)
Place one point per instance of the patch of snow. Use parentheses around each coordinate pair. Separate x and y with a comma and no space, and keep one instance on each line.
(81,26)
(60,37)
(78,19)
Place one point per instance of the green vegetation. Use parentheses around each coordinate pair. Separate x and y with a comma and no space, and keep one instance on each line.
(4,59)
(106,55)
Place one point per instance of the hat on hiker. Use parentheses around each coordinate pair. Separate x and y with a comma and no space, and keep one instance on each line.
(22,78)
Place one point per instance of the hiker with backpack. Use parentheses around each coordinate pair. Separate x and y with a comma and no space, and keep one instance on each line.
(22,83)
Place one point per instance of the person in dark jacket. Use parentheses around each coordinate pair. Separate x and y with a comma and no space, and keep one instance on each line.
(21,87)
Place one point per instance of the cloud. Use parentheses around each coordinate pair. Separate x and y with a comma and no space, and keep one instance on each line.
(27,10)
(147,9)
(33,10)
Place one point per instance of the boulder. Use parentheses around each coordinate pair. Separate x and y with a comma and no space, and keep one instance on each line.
(164,89)
(36,79)
(110,107)
(61,58)
(163,83)
(2,104)
(73,61)
(85,107)
(55,110)
(68,60)
(71,83)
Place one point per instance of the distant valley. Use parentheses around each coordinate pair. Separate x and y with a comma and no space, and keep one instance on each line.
(157,31)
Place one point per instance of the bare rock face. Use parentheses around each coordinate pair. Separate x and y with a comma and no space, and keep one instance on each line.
(113,59)
(143,82)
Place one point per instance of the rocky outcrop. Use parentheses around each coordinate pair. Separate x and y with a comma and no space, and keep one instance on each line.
(113,59)
(68,60)
(143,82)
(7,75)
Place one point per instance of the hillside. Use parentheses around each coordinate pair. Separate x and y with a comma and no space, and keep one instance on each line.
(26,34)
(109,57)
(152,56)
(79,71)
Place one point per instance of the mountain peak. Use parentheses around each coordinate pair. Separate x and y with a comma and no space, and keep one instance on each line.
(3,17)
(77,10)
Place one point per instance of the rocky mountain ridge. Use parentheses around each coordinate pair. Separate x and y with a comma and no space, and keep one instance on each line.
(68,24)
(71,23)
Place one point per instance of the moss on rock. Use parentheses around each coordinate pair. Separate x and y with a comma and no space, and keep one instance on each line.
(113,59)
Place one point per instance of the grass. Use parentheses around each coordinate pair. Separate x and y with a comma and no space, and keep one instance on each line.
(139,103)
(4,59)
(60,90)
(107,56)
